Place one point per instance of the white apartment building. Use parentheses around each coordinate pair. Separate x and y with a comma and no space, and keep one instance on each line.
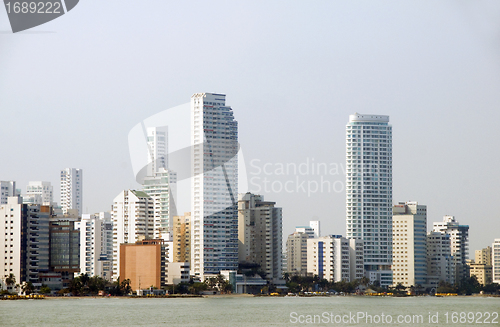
(160,188)
(132,221)
(214,185)
(296,253)
(335,258)
(71,190)
(459,244)
(26,241)
(96,244)
(369,188)
(42,192)
(495,258)
(157,149)
(260,234)
(409,244)
(440,265)
(7,189)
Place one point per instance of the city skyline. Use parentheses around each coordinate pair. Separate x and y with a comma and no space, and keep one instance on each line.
(435,75)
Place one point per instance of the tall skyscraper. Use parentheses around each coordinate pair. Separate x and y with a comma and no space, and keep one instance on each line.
(71,190)
(260,234)
(214,185)
(157,149)
(409,244)
(369,187)
(459,244)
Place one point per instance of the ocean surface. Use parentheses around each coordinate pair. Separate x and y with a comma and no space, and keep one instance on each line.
(253,311)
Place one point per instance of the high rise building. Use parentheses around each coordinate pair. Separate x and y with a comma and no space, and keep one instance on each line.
(409,244)
(315,225)
(296,253)
(335,258)
(132,221)
(160,188)
(157,149)
(260,234)
(495,258)
(96,240)
(369,188)
(214,185)
(71,190)
(440,266)
(7,189)
(39,247)
(64,249)
(182,238)
(26,242)
(483,256)
(41,191)
(459,244)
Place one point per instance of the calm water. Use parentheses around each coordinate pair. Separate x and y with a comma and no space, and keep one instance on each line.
(241,311)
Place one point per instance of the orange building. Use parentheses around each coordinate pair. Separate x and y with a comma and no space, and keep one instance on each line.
(143,263)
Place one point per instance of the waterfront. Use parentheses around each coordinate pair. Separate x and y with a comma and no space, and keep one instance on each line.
(239,311)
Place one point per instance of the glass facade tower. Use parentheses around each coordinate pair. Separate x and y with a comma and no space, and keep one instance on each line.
(214,207)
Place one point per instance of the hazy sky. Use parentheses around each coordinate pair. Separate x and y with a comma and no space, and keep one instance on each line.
(293,71)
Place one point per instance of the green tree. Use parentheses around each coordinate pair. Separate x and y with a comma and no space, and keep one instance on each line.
(125,288)
(227,287)
(45,289)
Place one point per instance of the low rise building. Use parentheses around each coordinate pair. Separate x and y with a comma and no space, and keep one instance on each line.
(176,272)
(143,263)
(335,258)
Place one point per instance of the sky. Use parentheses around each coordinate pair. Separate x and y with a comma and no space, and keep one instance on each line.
(72,89)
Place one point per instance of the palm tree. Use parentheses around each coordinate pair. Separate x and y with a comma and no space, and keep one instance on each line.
(28,288)
(10,280)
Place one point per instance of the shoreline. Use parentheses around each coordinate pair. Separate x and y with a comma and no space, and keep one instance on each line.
(185,296)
